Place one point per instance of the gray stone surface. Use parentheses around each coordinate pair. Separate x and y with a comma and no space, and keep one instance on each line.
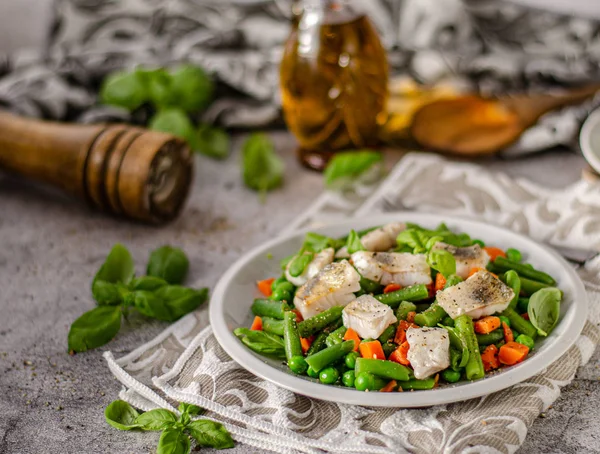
(51,247)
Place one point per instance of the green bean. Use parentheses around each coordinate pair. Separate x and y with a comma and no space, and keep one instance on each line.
(281,295)
(350,359)
(491,338)
(388,333)
(348,378)
(278,281)
(452,280)
(431,316)
(325,357)
(267,308)
(451,376)
(299,263)
(428,383)
(329,375)
(336,337)
(523,305)
(285,286)
(272,325)
(519,324)
(317,322)
(412,293)
(524,271)
(318,344)
(335,325)
(504,319)
(291,338)
(474,368)
(529,287)
(422,307)
(369,286)
(455,359)
(382,368)
(513,281)
(388,348)
(368,382)
(448,321)
(514,255)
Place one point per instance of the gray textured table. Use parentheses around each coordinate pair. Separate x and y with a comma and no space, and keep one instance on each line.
(51,247)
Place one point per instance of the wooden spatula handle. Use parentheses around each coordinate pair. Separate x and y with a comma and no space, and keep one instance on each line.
(125,170)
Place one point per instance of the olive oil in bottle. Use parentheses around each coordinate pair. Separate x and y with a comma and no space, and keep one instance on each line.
(333,77)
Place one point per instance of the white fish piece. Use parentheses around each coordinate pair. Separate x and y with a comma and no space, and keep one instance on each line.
(480,295)
(428,351)
(334,285)
(401,268)
(379,240)
(368,317)
(320,261)
(466,258)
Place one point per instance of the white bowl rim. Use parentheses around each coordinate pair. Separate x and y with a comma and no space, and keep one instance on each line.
(575,319)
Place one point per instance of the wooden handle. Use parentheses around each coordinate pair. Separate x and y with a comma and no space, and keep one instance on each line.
(125,170)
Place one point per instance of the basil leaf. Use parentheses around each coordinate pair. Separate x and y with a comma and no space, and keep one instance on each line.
(261,342)
(442,261)
(210,434)
(173,441)
(353,243)
(193,88)
(150,305)
(190,409)
(299,263)
(345,168)
(149,283)
(121,415)
(118,267)
(262,168)
(180,301)
(125,89)
(158,419)
(168,263)
(315,242)
(175,121)
(160,88)
(94,328)
(213,142)
(544,309)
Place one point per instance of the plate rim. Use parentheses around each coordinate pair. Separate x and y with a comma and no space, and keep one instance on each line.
(444,395)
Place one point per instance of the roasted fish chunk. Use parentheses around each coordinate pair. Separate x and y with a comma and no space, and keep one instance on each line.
(466,258)
(480,295)
(320,261)
(334,285)
(401,268)
(368,317)
(378,240)
(429,350)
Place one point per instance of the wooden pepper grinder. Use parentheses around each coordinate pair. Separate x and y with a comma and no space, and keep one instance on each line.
(125,170)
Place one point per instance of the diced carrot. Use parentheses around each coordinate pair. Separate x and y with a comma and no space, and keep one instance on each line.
(512,353)
(508,334)
(400,336)
(391,288)
(306,342)
(473,271)
(440,282)
(352,335)
(265,286)
(391,385)
(299,317)
(371,349)
(525,316)
(494,252)
(489,357)
(487,324)
(256,324)
(431,289)
(436,380)
(410,317)
(400,355)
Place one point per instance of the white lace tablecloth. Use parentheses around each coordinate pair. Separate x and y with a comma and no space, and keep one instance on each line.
(186,363)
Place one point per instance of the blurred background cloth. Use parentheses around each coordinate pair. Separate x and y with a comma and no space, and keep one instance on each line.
(492,46)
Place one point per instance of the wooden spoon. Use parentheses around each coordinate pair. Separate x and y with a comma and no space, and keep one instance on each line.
(473,125)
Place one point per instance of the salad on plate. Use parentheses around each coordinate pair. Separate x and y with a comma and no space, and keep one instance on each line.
(400,307)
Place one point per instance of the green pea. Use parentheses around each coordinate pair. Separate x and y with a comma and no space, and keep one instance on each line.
(514,255)
(278,281)
(329,375)
(286,286)
(479,242)
(366,380)
(350,359)
(281,295)
(504,319)
(348,379)
(524,339)
(451,376)
(298,364)
(312,373)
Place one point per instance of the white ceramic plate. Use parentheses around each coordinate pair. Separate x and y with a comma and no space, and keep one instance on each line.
(233,296)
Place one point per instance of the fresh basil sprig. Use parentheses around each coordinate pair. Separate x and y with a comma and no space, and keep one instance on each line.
(176,432)
(261,167)
(115,289)
(261,342)
(353,243)
(442,261)
(345,168)
(544,309)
